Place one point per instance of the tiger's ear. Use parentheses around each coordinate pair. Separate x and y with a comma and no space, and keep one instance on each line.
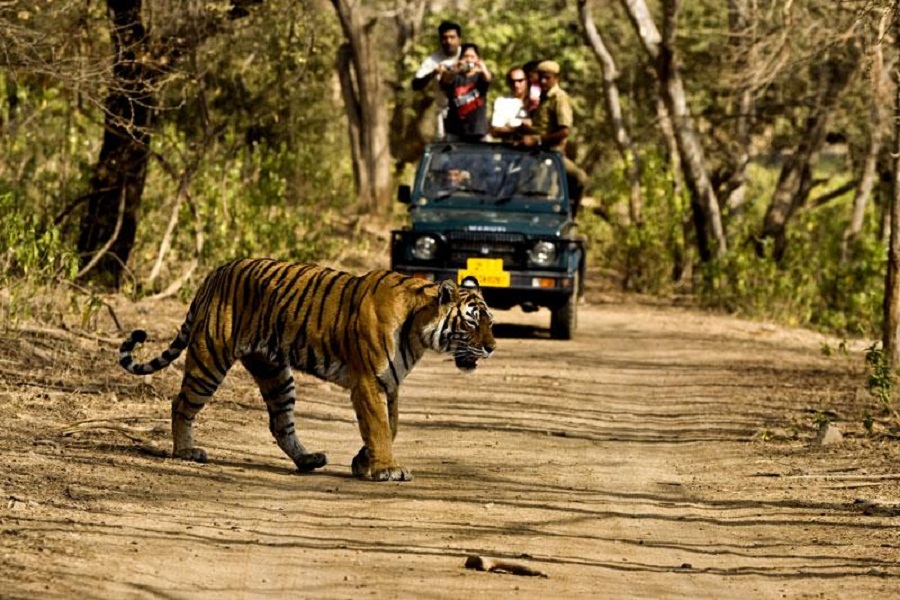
(448,293)
(471,283)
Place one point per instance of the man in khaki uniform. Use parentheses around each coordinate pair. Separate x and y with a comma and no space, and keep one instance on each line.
(550,125)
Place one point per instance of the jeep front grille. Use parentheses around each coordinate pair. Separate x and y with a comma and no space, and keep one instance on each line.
(477,236)
(467,244)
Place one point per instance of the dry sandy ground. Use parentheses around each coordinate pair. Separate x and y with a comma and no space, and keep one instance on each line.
(664,453)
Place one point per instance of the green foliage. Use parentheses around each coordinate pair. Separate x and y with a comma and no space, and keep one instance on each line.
(33,256)
(46,145)
(257,200)
(812,285)
(828,350)
(252,121)
(262,217)
(821,418)
(31,250)
(880,377)
(646,258)
(810,288)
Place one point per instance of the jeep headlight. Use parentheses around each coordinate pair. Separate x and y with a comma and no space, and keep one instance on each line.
(543,254)
(425,248)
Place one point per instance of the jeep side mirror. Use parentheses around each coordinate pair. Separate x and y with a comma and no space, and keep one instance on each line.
(404,194)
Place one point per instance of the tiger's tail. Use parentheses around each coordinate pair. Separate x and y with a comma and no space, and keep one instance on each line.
(139,336)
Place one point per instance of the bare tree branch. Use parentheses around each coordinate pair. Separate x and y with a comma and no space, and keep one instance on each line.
(614,106)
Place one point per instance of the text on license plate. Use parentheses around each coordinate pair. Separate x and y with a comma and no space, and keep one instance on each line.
(488,271)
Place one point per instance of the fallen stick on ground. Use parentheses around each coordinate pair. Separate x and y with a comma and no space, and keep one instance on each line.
(481,563)
(132,432)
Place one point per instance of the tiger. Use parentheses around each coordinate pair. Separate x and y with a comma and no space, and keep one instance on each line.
(364,333)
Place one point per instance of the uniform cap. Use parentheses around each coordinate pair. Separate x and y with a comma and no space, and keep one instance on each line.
(548,66)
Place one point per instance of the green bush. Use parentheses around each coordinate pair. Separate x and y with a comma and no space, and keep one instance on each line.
(650,258)
(34,258)
(811,286)
(32,250)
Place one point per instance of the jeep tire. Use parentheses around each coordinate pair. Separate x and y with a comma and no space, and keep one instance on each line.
(564,320)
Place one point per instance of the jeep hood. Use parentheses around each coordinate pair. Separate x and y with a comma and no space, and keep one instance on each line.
(439,220)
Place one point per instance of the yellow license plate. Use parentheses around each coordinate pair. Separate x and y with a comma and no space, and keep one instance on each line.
(488,271)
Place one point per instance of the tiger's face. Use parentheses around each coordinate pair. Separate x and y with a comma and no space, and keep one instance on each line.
(469,324)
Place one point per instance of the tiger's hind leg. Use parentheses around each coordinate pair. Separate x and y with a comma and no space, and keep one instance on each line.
(197,387)
(184,409)
(276,383)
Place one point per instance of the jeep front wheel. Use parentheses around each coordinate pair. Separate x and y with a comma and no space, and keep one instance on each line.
(564,320)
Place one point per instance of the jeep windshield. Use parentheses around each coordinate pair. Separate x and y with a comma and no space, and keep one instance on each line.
(486,174)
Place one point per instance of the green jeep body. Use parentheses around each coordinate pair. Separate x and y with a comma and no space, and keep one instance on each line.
(502,214)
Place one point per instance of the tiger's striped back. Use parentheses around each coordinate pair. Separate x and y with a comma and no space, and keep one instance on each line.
(322,321)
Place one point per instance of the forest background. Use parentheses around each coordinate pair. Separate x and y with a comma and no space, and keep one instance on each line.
(741,152)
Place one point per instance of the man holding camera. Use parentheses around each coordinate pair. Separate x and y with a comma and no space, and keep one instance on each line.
(466,86)
(439,62)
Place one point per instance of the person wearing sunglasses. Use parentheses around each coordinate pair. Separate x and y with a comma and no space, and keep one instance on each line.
(510,111)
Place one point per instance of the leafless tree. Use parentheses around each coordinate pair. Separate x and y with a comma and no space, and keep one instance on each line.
(741,40)
(879,100)
(662,52)
(796,178)
(610,72)
(365,98)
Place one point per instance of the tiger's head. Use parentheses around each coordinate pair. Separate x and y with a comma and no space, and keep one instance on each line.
(466,330)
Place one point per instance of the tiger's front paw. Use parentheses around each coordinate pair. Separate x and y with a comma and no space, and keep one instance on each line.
(391,474)
(310,462)
(193,454)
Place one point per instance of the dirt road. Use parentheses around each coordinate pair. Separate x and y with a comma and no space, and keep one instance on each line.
(662,454)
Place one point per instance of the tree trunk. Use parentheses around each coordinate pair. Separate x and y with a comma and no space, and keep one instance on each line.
(122,166)
(796,181)
(742,38)
(869,177)
(366,104)
(891,326)
(630,157)
(12,105)
(354,116)
(662,53)
(681,252)
(794,184)
(867,181)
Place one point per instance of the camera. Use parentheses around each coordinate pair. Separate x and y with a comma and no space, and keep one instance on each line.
(467,66)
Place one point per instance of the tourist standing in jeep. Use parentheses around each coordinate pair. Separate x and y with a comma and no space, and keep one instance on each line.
(467,87)
(435,65)
(510,111)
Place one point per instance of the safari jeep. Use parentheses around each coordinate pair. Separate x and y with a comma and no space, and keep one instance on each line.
(501,214)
